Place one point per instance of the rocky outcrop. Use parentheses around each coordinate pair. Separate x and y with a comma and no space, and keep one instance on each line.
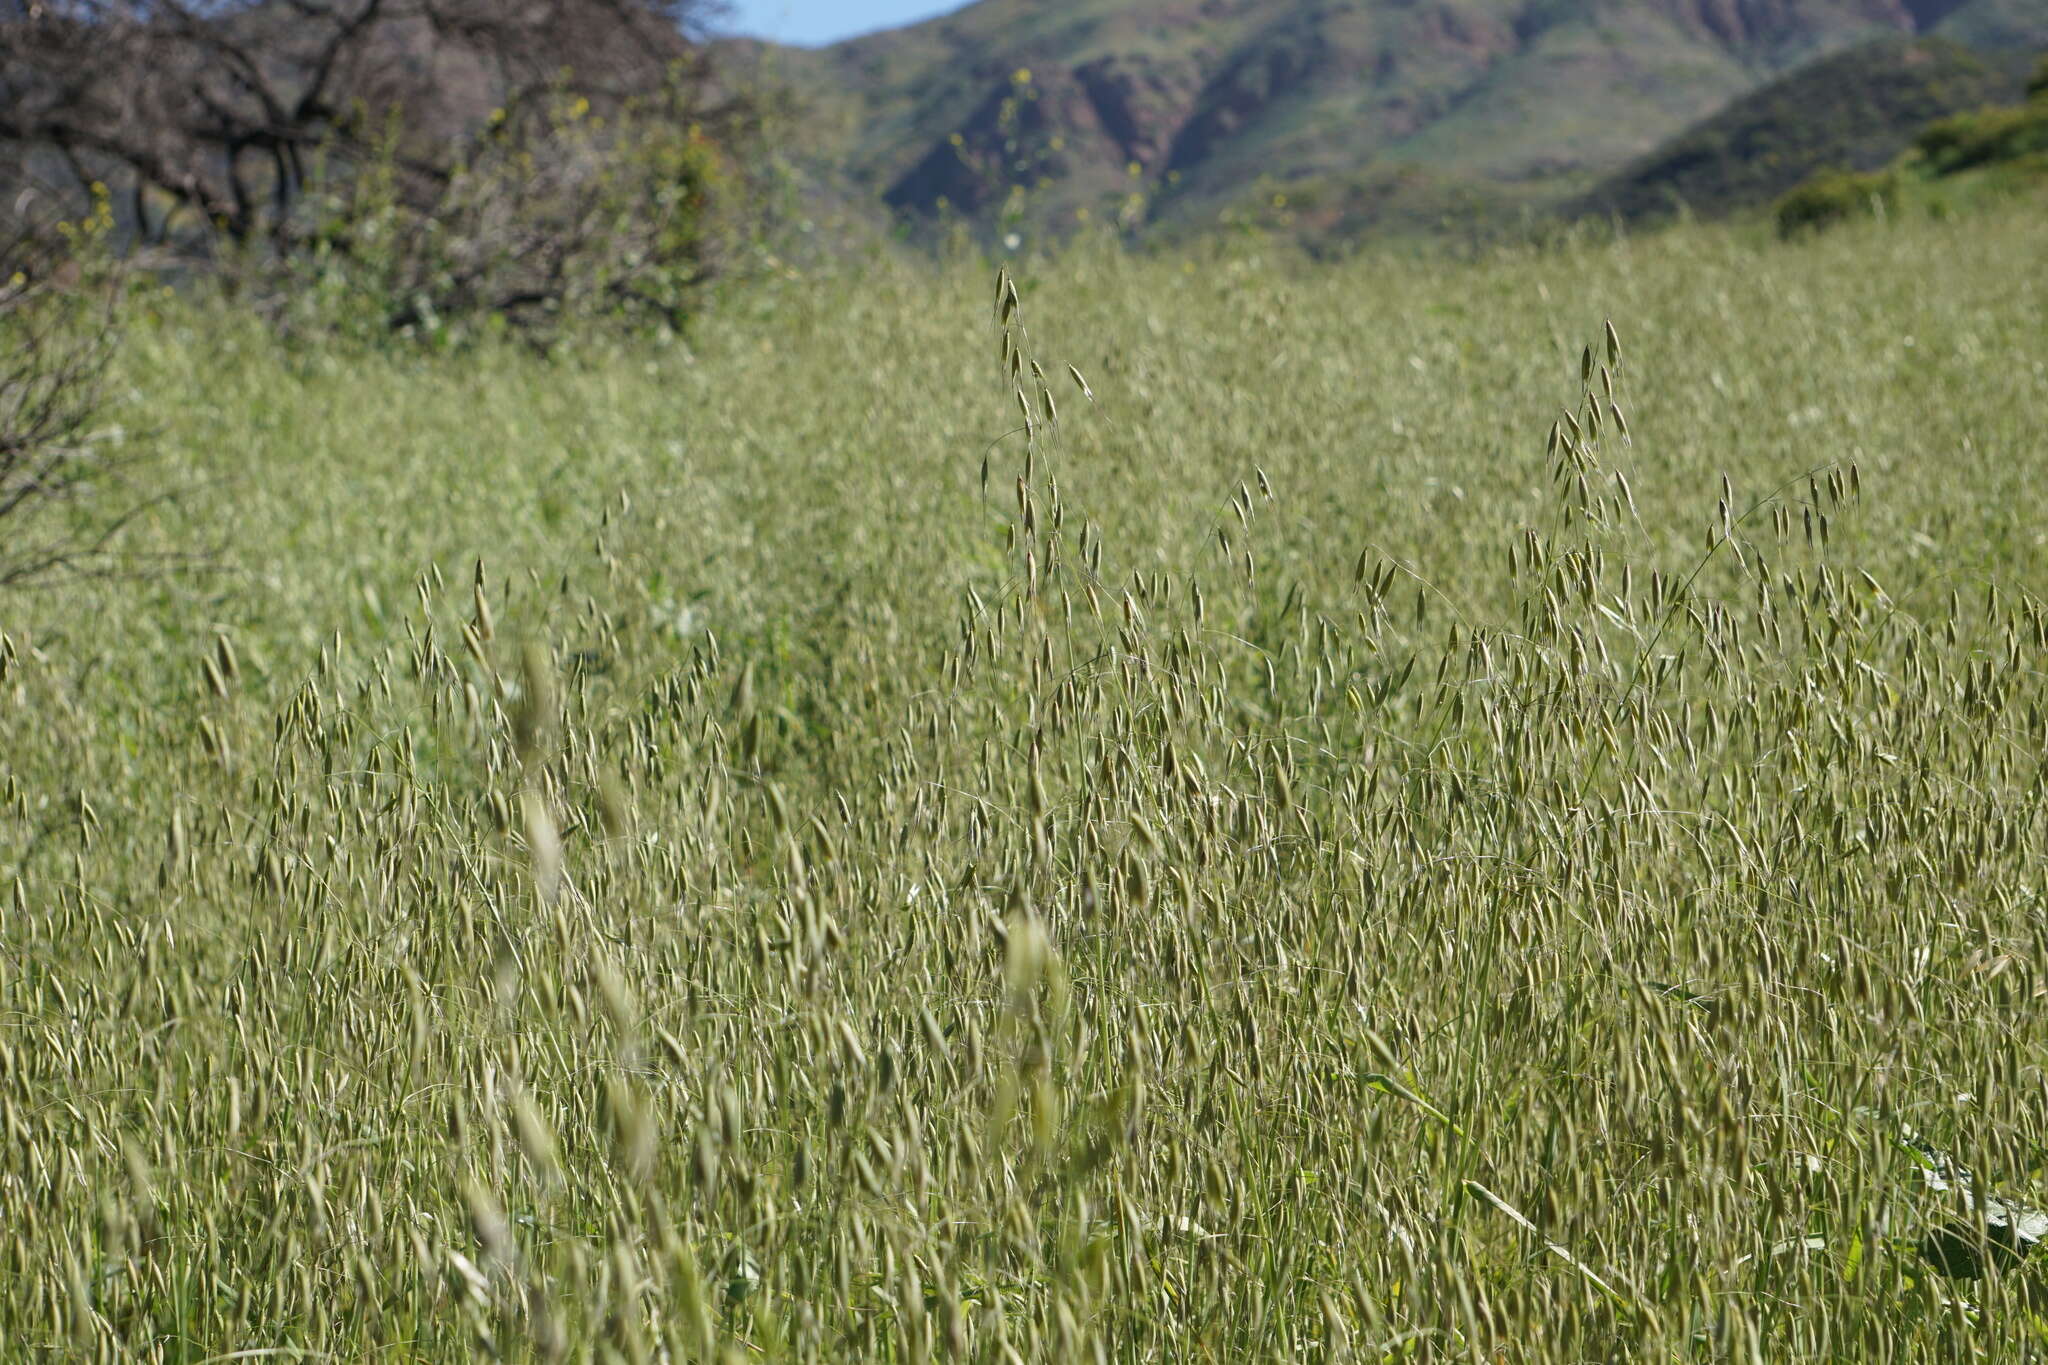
(1016,135)
(1094,121)
(1748,23)
(1276,67)
(1202,96)
(1139,104)
(1925,14)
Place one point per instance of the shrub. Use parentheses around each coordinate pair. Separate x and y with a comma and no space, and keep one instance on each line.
(58,475)
(422,160)
(1833,197)
(558,214)
(1989,135)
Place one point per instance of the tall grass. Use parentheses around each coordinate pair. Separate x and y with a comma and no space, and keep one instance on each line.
(1326,850)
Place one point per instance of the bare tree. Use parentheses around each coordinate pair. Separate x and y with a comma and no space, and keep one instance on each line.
(218,118)
(57,329)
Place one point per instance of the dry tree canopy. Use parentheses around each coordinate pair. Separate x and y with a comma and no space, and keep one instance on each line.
(215,116)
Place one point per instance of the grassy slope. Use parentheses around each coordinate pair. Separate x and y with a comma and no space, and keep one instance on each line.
(1998,25)
(1858,109)
(296,1059)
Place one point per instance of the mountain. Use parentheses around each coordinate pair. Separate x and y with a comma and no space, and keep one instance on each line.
(1165,113)
(2000,25)
(1857,109)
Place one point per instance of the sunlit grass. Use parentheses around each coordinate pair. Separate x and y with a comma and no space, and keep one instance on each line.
(1317,855)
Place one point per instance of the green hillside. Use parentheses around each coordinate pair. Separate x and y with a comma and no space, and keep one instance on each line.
(1999,24)
(1966,161)
(1857,109)
(1161,115)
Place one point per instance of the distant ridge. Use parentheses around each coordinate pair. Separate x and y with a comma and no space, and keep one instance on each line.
(1163,114)
(1857,110)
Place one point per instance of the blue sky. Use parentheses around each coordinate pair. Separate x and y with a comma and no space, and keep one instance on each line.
(824,21)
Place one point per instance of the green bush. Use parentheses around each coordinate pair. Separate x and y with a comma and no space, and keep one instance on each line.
(63,498)
(1962,141)
(520,166)
(1833,197)
(560,215)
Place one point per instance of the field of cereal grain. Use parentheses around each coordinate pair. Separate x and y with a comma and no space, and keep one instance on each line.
(1409,826)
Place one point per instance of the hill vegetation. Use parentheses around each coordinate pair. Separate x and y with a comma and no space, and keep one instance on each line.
(1966,158)
(1163,117)
(1855,110)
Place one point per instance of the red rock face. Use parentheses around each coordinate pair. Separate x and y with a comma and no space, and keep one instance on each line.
(1138,104)
(1393,68)
(1743,23)
(1102,115)
(1927,13)
(1471,33)
(1243,90)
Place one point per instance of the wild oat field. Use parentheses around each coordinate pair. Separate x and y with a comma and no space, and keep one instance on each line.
(1484,811)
